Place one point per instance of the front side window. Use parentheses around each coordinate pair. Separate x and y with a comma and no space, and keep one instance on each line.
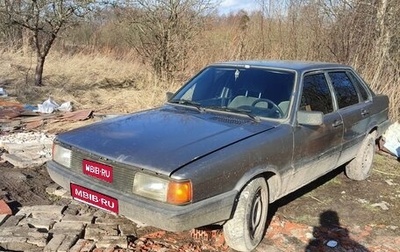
(346,93)
(316,94)
(256,91)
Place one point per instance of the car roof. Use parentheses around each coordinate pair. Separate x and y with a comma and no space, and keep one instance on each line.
(284,64)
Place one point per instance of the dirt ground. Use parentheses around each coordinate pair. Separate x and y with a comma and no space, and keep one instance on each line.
(362,215)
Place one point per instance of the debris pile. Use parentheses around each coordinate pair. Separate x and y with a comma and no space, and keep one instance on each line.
(26,149)
(391,139)
(15,116)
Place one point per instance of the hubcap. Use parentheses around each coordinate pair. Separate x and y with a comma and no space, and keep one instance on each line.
(256,214)
(367,157)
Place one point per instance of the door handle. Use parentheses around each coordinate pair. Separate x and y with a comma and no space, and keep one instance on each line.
(337,123)
(364,112)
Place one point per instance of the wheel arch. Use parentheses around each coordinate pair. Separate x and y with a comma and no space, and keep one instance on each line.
(271,177)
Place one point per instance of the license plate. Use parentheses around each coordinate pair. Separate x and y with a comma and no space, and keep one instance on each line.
(97,170)
(94,198)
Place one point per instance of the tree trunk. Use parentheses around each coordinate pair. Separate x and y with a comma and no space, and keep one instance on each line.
(39,70)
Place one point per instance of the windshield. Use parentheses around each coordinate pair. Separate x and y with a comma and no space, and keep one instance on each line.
(255,91)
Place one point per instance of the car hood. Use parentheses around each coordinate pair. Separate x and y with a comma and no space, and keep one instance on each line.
(164,139)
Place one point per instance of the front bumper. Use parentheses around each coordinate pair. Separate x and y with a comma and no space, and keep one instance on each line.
(157,214)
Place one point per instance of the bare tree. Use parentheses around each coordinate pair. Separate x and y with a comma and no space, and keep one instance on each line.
(161,31)
(45,19)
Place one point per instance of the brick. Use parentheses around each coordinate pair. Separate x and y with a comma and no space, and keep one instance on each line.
(100,214)
(54,243)
(57,190)
(18,231)
(9,230)
(71,228)
(43,224)
(52,188)
(4,208)
(77,218)
(24,234)
(127,229)
(83,209)
(38,239)
(112,241)
(72,209)
(77,247)
(97,232)
(3,218)
(56,216)
(47,209)
(12,221)
(110,219)
(11,239)
(61,192)
(68,242)
(18,244)
(83,246)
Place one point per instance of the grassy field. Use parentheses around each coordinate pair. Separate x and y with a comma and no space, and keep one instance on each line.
(89,81)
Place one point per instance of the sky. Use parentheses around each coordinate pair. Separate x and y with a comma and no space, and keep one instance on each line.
(228,6)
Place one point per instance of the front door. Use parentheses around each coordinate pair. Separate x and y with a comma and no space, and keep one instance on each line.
(316,148)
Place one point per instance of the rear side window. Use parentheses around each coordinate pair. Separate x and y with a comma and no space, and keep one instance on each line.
(345,91)
(316,94)
(361,88)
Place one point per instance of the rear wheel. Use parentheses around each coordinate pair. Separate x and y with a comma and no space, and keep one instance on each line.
(361,166)
(247,227)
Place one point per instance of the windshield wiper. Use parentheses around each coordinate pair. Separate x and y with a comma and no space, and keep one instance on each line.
(190,103)
(240,111)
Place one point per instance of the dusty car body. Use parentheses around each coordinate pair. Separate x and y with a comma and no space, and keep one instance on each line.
(234,138)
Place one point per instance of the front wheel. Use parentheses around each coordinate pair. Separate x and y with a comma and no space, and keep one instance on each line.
(247,227)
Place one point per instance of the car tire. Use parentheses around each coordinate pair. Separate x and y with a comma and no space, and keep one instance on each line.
(360,167)
(247,227)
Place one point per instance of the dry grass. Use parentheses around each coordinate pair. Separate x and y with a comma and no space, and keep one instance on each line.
(98,82)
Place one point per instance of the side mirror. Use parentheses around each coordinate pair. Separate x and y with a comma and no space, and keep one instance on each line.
(169,95)
(312,118)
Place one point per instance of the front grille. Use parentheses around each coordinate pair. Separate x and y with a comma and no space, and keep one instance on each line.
(123,174)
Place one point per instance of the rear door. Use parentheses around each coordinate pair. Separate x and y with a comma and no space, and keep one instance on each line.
(353,101)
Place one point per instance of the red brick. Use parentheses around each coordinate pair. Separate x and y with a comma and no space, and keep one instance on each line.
(4,208)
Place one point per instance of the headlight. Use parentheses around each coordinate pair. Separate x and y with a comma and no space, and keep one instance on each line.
(62,155)
(174,192)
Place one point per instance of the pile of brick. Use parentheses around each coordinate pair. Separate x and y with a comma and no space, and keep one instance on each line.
(60,228)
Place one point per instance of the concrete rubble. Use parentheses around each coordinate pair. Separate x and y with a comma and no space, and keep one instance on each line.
(26,149)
